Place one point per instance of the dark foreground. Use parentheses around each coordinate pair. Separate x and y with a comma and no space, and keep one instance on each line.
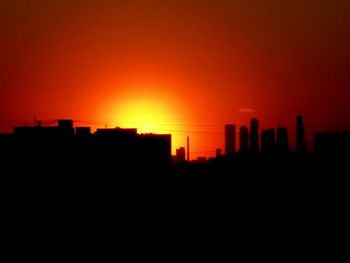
(265,207)
(247,178)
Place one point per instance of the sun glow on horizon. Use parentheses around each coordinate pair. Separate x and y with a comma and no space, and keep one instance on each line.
(148,116)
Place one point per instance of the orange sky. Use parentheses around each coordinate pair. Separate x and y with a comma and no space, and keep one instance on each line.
(186,67)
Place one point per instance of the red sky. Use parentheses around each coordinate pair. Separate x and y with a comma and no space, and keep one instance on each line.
(184,67)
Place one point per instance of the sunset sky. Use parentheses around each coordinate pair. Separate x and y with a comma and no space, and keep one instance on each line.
(184,67)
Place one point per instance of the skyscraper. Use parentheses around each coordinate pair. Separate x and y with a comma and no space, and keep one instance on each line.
(243,139)
(254,135)
(230,139)
(268,141)
(282,140)
(301,142)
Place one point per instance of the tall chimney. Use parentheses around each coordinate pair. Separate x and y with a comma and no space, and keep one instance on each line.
(188,148)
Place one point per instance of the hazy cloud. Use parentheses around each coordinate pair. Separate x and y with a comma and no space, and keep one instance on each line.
(246,110)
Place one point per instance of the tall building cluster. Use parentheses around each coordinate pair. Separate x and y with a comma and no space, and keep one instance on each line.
(268,141)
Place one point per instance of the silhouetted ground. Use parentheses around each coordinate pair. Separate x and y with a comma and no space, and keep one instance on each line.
(63,171)
(287,204)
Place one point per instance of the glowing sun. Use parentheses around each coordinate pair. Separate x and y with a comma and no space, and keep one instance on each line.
(150,111)
(148,116)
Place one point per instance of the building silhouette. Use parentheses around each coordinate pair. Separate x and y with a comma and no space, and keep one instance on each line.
(243,139)
(218,152)
(254,135)
(181,154)
(268,141)
(332,144)
(201,160)
(301,141)
(66,126)
(282,140)
(230,139)
(63,144)
(83,132)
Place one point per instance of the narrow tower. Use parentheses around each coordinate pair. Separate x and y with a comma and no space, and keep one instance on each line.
(188,148)
(254,135)
(230,139)
(282,140)
(301,141)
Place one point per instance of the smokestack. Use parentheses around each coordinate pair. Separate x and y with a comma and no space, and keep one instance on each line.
(188,148)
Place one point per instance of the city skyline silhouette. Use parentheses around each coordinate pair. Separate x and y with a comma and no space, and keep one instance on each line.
(180,67)
(120,119)
(226,80)
(127,145)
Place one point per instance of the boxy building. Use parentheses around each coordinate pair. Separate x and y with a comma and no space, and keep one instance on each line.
(62,144)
